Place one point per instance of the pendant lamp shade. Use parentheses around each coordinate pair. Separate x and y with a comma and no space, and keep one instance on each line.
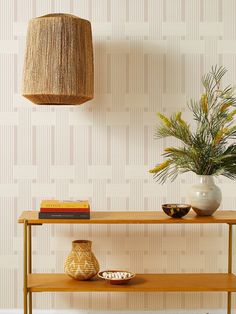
(58,65)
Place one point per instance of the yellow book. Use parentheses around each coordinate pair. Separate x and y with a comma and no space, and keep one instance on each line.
(64,204)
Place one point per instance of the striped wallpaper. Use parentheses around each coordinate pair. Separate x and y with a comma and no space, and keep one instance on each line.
(149,57)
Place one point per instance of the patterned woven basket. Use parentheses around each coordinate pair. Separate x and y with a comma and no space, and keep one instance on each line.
(81,264)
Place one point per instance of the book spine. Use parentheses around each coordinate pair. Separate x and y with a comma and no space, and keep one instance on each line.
(60,205)
(64,210)
(68,215)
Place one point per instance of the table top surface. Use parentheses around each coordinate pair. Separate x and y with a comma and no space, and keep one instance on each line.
(133,217)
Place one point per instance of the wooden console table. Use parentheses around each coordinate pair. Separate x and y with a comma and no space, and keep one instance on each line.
(216,282)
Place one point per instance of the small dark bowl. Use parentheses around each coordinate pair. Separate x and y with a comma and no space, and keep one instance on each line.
(176,210)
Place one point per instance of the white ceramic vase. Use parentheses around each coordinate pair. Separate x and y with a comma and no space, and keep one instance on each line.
(205,196)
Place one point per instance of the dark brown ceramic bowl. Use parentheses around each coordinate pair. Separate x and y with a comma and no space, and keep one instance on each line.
(116,281)
(176,210)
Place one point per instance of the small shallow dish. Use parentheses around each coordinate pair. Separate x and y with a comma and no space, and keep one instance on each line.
(176,210)
(116,281)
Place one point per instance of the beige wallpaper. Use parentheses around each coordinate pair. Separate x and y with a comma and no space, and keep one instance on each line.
(149,57)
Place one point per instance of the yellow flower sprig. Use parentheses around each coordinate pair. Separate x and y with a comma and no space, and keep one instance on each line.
(178,118)
(219,136)
(231,115)
(160,167)
(174,150)
(165,120)
(170,149)
(224,107)
(204,103)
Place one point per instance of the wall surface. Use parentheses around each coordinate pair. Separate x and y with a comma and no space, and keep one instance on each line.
(149,57)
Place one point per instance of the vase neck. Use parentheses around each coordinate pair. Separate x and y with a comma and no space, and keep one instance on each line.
(82,245)
(207,179)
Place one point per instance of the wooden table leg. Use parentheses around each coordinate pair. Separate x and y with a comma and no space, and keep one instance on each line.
(229,267)
(25,268)
(30,264)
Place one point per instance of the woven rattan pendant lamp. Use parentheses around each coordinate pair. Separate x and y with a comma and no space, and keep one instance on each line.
(58,65)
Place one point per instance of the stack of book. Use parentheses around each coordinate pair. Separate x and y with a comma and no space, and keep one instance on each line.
(55,209)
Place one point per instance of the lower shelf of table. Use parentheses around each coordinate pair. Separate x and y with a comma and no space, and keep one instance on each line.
(141,283)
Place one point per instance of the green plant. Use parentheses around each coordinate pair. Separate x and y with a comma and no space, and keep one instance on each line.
(209,149)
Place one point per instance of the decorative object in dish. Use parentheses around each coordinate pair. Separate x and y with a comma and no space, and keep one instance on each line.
(176,210)
(116,277)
